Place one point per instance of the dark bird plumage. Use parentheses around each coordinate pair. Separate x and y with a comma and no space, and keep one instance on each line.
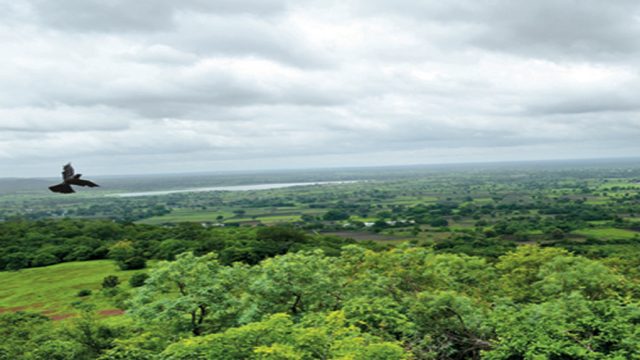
(69,177)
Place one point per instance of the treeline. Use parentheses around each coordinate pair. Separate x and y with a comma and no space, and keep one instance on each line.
(404,303)
(26,243)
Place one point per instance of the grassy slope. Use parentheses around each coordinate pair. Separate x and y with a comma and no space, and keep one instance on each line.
(53,289)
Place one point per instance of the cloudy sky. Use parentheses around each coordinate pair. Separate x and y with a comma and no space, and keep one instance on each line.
(120,86)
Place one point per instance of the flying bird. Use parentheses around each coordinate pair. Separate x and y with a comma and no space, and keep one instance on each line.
(69,177)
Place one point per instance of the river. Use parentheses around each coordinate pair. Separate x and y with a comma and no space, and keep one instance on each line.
(231,188)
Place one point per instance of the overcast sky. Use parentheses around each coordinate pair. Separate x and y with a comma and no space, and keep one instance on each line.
(121,86)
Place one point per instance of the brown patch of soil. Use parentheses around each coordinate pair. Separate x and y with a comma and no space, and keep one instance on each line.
(20,308)
(111,312)
(13,309)
(61,317)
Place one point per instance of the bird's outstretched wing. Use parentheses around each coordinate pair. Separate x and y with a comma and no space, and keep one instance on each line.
(67,172)
(62,188)
(82,182)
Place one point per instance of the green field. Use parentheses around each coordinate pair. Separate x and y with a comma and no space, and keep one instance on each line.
(181,215)
(52,290)
(266,216)
(608,233)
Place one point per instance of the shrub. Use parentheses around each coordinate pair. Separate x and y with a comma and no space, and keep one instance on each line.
(335,215)
(110,282)
(44,259)
(439,222)
(132,263)
(138,280)
(84,292)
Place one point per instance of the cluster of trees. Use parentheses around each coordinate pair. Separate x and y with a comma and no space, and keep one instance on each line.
(403,303)
(26,243)
(121,209)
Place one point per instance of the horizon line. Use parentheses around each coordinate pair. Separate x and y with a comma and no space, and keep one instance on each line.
(354,167)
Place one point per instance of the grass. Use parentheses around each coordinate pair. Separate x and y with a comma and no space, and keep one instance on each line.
(278,219)
(597,201)
(598,222)
(608,233)
(412,201)
(267,216)
(53,289)
(187,215)
(363,219)
(482,201)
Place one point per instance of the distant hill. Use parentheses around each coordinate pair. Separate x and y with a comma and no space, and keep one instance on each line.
(18,185)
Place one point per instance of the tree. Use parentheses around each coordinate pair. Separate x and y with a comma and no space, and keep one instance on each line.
(124,253)
(121,250)
(439,222)
(336,215)
(44,259)
(279,337)
(16,261)
(450,323)
(570,327)
(557,234)
(519,270)
(195,286)
(137,280)
(168,249)
(296,283)
(93,335)
(133,263)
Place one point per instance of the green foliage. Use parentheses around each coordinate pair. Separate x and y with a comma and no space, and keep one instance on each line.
(405,302)
(93,336)
(84,292)
(44,259)
(568,327)
(25,244)
(336,215)
(296,283)
(138,279)
(278,337)
(110,282)
(438,222)
(188,291)
(58,350)
(133,263)
(466,289)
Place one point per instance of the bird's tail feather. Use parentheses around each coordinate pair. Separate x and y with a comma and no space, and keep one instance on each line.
(62,188)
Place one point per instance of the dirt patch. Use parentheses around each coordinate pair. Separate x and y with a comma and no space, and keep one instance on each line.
(111,312)
(13,309)
(21,308)
(61,317)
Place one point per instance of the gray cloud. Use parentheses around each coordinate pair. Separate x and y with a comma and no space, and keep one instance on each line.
(545,28)
(277,83)
(158,15)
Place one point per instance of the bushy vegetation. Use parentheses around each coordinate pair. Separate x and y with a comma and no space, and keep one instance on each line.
(25,244)
(404,303)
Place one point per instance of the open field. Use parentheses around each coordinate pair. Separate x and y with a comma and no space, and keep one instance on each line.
(608,233)
(52,290)
(187,215)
